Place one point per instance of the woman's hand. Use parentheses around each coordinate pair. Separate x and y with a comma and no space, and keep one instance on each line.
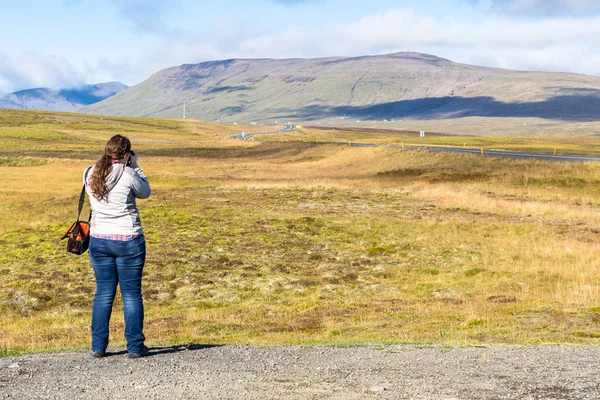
(132,159)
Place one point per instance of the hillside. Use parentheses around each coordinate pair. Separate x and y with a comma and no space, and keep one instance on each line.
(393,86)
(63,99)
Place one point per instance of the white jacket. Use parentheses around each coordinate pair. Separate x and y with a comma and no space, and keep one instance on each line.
(118,214)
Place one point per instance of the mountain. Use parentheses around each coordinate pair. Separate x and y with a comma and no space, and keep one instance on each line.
(395,86)
(63,99)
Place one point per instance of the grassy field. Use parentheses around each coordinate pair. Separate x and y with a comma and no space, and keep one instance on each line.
(499,127)
(582,145)
(281,243)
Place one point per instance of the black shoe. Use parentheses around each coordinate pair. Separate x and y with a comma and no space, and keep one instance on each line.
(143,353)
(98,354)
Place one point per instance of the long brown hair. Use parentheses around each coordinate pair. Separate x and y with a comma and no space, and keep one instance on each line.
(116,148)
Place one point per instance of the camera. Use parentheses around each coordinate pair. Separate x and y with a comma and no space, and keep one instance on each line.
(131,154)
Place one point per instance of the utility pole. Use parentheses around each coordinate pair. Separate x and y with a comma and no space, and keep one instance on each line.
(184,110)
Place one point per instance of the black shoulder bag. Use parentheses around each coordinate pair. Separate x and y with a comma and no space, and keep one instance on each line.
(79,233)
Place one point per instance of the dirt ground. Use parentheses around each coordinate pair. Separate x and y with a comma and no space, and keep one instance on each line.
(309,372)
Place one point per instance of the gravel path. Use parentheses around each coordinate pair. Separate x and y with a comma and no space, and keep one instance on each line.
(372,372)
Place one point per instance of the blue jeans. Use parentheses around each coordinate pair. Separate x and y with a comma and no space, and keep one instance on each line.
(118,262)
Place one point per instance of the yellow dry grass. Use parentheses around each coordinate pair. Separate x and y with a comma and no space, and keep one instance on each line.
(278,243)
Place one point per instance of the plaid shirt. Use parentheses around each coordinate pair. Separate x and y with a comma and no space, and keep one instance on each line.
(120,238)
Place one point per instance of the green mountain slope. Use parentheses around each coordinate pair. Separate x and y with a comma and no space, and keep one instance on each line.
(393,86)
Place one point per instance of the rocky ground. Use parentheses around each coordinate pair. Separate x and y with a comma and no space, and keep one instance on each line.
(369,372)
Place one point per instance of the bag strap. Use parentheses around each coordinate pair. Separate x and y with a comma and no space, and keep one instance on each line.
(82,196)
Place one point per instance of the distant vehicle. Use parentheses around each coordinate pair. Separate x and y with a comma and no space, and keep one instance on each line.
(252,123)
(235,123)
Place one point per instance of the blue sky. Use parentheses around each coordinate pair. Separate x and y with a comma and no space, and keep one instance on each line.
(65,43)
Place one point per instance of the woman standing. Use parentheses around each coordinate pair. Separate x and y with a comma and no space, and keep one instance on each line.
(117,246)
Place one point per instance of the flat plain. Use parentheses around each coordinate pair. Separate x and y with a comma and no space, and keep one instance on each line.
(297,243)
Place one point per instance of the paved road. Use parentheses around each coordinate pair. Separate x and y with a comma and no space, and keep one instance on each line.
(310,372)
(248,136)
(513,154)
(493,153)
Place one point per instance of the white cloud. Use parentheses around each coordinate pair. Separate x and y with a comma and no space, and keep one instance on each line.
(556,58)
(542,7)
(148,16)
(31,69)
(566,44)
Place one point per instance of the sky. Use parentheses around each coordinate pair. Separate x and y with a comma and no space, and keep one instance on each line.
(67,43)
